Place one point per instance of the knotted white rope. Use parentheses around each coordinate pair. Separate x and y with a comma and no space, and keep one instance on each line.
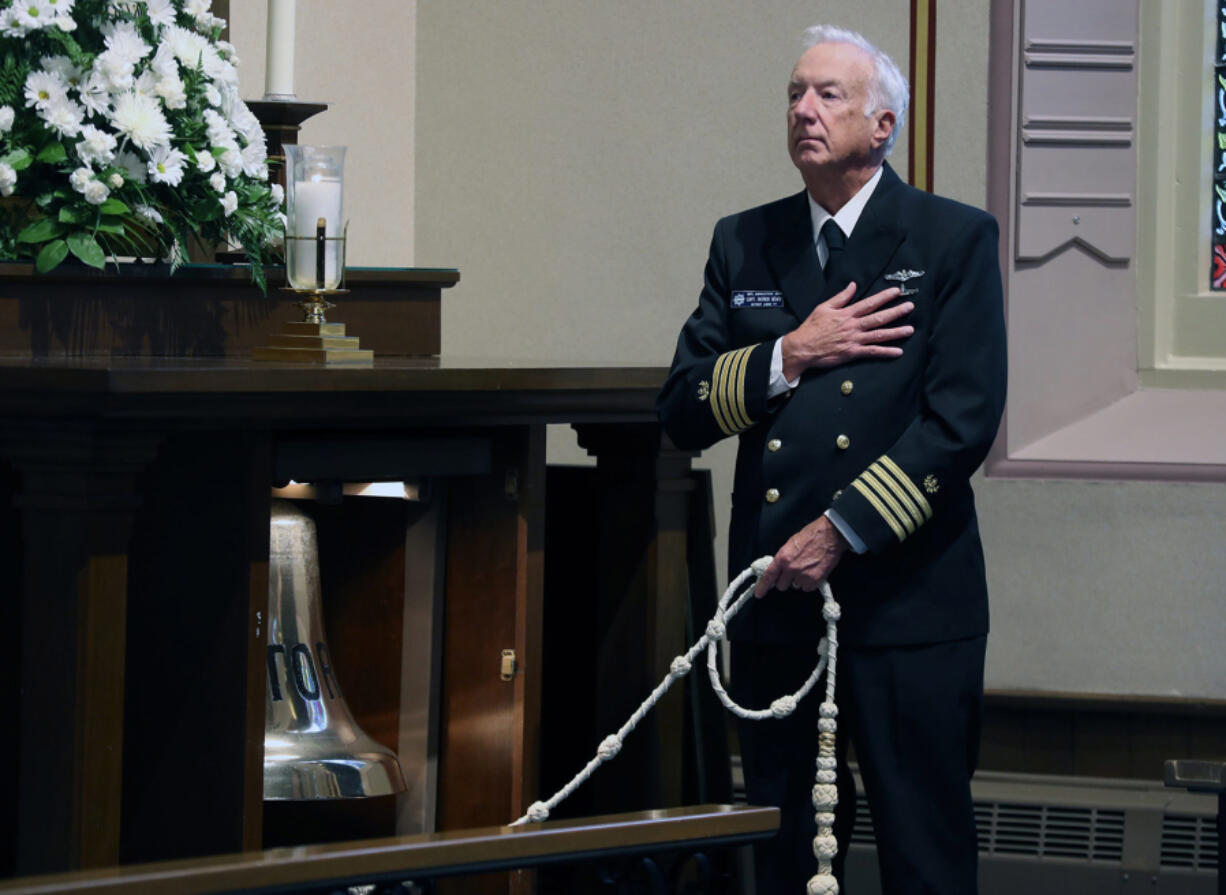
(825,792)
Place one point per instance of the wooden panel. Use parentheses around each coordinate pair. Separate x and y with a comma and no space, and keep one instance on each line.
(192,705)
(211,311)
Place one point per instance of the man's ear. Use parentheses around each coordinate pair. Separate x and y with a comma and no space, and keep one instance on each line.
(884,122)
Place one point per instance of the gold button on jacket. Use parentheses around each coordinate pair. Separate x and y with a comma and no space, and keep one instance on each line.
(843,442)
(772,494)
(773,445)
(847,386)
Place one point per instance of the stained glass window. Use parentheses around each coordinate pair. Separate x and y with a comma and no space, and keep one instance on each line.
(1217,271)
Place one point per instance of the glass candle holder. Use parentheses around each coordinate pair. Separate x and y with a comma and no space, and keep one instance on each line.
(315,234)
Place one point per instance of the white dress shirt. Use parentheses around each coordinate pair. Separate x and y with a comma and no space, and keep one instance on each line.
(846,219)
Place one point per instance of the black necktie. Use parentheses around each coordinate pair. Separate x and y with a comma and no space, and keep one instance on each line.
(835,241)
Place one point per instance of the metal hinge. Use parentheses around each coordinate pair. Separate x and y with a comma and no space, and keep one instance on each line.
(509,665)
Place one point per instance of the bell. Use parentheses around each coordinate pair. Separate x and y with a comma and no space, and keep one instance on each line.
(312,747)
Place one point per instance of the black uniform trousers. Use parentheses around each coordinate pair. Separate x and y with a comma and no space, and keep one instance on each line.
(913,714)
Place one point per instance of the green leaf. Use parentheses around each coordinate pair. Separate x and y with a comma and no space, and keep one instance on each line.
(85,247)
(41,231)
(113,206)
(18,160)
(51,256)
(52,153)
(69,215)
(107,227)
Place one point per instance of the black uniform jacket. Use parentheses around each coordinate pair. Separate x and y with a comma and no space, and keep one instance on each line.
(889,444)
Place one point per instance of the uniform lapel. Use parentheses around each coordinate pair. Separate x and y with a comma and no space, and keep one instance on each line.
(873,242)
(793,256)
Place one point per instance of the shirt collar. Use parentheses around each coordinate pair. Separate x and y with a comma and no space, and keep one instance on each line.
(849,214)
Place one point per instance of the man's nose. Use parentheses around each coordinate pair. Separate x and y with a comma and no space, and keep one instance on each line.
(806,106)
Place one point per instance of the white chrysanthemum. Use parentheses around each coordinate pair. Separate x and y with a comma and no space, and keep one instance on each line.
(166,165)
(161,12)
(229,203)
(96,192)
(64,117)
(60,7)
(172,91)
(115,181)
(141,120)
(117,70)
(149,213)
(278,193)
(32,14)
(62,66)
(244,122)
(8,179)
(212,95)
(231,161)
(205,161)
(95,93)
(255,161)
(164,64)
(124,40)
(6,118)
(9,26)
(217,181)
(147,83)
(133,167)
(220,135)
(96,146)
(79,178)
(42,88)
(64,23)
(191,49)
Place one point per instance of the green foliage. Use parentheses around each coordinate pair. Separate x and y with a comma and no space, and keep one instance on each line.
(85,247)
(13,72)
(51,256)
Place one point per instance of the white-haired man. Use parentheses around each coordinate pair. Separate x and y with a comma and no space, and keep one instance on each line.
(852,337)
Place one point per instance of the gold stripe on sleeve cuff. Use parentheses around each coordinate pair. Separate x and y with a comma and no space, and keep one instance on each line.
(728,391)
(905,480)
(880,508)
(883,492)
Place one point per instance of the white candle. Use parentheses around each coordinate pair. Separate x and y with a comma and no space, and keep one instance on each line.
(279,73)
(315,199)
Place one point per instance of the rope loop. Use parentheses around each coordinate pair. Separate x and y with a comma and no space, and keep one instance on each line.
(825,793)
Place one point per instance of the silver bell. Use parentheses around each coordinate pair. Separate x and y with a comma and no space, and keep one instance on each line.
(313,749)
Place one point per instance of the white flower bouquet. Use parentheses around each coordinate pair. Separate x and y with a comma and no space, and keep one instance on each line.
(122,134)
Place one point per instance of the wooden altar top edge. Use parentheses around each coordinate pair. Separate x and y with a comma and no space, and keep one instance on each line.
(461,851)
(13,273)
(417,391)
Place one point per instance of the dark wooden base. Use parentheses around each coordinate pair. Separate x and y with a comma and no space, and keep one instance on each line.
(208,310)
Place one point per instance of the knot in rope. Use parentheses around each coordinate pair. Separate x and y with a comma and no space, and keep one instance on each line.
(783,706)
(681,666)
(823,884)
(831,611)
(538,812)
(609,746)
(715,628)
(825,796)
(825,847)
(828,710)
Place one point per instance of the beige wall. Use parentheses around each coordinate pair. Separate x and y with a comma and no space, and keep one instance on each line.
(571,157)
(359,59)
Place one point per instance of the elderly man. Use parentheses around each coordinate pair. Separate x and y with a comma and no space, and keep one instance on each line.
(852,337)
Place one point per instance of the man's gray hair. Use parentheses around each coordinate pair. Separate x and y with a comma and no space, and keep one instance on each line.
(887,90)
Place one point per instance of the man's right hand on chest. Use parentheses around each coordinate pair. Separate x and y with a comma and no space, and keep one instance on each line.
(837,332)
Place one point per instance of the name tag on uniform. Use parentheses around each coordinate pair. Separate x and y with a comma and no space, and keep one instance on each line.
(756,298)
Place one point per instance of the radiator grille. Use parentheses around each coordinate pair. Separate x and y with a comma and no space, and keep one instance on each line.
(1058,831)
(1189,842)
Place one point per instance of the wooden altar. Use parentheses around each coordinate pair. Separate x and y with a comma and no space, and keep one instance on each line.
(134,513)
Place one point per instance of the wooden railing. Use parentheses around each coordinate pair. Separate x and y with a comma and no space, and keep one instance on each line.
(425,857)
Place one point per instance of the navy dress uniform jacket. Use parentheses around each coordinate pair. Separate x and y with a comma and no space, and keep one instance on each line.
(889,444)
